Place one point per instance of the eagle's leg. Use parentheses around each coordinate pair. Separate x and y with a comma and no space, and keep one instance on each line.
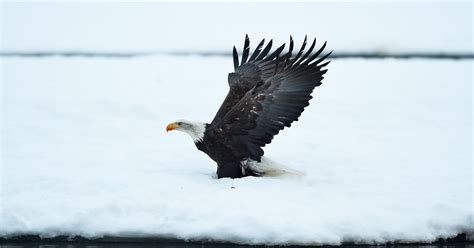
(232,170)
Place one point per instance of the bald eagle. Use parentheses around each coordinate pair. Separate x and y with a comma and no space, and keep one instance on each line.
(267,92)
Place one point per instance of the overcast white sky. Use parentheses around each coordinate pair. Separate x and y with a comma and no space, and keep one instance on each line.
(402,26)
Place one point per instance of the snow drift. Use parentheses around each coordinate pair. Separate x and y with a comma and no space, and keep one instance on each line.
(386,148)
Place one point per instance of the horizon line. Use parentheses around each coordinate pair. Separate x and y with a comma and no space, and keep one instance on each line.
(334,55)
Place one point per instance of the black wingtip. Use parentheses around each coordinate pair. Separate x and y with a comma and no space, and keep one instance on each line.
(330,52)
(323,58)
(324,64)
(290,49)
(257,51)
(276,52)
(315,55)
(287,56)
(303,46)
(235,55)
(307,53)
(300,52)
(265,50)
(313,44)
(245,52)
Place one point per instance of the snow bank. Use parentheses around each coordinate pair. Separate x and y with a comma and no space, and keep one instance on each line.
(385,145)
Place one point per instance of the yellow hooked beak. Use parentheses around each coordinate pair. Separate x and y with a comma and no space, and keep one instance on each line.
(171,127)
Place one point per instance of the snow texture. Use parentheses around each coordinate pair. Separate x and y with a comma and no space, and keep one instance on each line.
(386,146)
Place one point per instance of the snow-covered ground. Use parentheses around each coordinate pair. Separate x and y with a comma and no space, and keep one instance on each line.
(386,146)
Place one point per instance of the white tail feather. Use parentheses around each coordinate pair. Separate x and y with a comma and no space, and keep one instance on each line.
(269,168)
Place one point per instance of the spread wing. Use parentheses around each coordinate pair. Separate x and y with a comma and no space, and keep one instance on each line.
(248,72)
(274,103)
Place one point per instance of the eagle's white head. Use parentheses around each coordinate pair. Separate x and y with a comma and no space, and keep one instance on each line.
(194,129)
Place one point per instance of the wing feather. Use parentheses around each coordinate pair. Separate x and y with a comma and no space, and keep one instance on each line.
(248,72)
(265,51)
(245,53)
(236,58)
(276,101)
(257,50)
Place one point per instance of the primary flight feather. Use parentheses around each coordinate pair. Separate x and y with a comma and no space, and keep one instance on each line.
(267,92)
